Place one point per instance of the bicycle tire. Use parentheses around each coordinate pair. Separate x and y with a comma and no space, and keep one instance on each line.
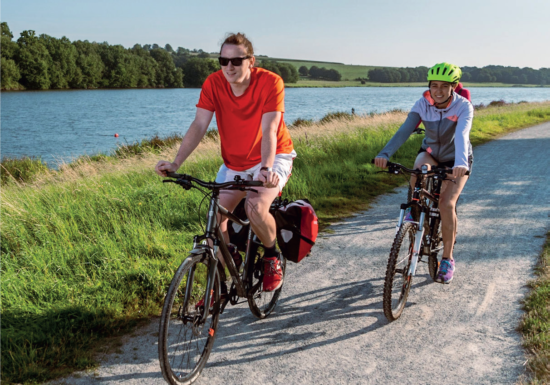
(397,283)
(261,302)
(184,346)
(435,236)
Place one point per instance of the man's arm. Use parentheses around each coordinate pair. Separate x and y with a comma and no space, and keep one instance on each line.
(270,125)
(190,141)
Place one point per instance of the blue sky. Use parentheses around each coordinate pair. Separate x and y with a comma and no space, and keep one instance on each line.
(385,33)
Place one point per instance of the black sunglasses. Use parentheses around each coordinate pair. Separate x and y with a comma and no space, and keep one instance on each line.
(236,61)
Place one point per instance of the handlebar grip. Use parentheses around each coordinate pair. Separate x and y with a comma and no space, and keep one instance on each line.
(174,175)
(255,183)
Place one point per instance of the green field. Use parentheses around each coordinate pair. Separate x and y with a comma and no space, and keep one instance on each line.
(348,71)
(89,250)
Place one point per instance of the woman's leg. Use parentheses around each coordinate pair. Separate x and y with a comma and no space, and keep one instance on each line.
(447,204)
(422,159)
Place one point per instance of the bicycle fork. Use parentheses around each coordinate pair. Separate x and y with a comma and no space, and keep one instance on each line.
(417,244)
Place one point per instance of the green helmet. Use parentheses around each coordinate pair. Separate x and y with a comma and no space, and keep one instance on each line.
(445,72)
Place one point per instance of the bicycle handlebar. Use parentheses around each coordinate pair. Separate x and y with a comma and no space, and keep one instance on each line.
(394,168)
(237,184)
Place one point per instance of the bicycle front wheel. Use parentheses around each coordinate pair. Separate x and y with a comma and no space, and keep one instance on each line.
(398,283)
(262,302)
(185,341)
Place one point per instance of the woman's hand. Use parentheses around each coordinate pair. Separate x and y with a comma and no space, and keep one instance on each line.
(459,171)
(270,178)
(163,166)
(380,162)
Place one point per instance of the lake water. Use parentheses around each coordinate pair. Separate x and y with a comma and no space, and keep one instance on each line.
(61,125)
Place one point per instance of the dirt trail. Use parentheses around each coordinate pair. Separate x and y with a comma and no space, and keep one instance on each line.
(329,326)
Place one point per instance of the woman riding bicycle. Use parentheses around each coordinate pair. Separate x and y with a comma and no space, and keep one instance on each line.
(447,119)
(255,142)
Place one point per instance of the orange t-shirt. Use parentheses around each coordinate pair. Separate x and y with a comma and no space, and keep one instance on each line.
(239,118)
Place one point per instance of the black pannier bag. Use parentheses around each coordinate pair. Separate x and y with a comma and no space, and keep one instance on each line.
(297,228)
(238,234)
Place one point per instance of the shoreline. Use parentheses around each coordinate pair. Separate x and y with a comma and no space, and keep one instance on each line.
(315,84)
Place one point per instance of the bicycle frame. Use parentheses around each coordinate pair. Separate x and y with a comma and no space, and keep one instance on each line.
(419,192)
(215,235)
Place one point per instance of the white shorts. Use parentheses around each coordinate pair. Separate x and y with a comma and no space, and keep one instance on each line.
(282,166)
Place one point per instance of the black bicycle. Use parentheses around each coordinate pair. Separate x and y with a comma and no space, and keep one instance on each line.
(194,300)
(418,236)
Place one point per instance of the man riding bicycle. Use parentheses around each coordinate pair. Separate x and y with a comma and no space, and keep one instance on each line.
(447,119)
(255,142)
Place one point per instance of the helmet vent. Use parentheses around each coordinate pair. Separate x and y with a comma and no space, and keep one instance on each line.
(437,72)
(445,70)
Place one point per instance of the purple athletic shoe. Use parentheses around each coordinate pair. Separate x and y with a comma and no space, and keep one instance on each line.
(446,271)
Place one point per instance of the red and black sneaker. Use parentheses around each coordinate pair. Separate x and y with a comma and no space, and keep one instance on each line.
(273,274)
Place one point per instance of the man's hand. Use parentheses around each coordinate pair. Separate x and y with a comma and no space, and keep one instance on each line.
(459,171)
(270,178)
(380,162)
(163,166)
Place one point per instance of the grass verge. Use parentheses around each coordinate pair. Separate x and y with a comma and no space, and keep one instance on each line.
(535,325)
(89,250)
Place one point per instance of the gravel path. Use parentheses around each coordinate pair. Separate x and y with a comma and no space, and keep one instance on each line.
(329,326)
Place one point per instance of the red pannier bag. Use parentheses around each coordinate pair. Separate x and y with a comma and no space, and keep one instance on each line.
(297,228)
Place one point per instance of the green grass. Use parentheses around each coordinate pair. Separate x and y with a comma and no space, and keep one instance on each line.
(535,325)
(88,251)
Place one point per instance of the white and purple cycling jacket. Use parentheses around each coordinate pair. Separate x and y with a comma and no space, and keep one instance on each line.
(447,130)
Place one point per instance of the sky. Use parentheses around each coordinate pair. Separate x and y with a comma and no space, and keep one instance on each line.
(399,33)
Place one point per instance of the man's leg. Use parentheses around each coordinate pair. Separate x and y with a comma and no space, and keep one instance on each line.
(257,209)
(228,199)
(263,224)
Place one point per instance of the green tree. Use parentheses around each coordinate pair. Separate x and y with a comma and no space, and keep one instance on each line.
(6,30)
(285,70)
(303,71)
(122,69)
(62,65)
(10,74)
(167,74)
(90,67)
(196,71)
(32,59)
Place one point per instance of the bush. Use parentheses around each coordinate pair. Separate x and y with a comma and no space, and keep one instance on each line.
(302,122)
(285,70)
(22,169)
(335,116)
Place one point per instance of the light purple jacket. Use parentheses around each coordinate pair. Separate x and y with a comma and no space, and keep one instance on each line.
(447,130)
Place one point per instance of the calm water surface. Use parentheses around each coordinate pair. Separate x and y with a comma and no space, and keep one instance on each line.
(61,125)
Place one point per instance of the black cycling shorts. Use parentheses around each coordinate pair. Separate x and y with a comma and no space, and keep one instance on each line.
(451,163)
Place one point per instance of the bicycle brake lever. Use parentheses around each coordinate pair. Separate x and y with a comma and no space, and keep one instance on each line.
(253,190)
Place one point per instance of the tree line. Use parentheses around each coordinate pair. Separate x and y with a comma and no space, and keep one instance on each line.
(41,62)
(488,74)
(322,73)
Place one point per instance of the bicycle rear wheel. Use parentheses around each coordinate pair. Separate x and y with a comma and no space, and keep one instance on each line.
(262,302)
(398,283)
(434,229)
(184,341)
(435,247)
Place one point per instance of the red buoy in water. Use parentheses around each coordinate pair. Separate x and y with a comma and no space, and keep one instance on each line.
(116,135)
